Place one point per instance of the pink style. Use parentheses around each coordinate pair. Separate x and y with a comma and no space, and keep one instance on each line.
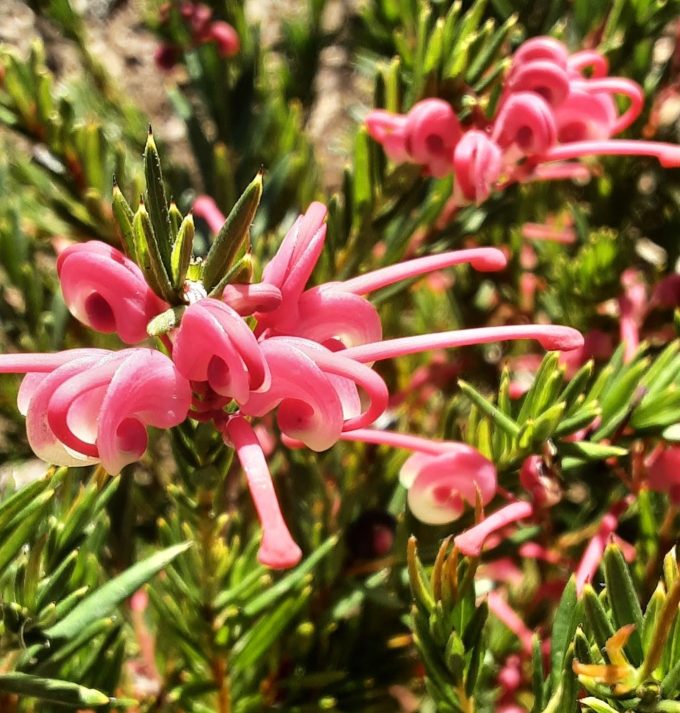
(549,114)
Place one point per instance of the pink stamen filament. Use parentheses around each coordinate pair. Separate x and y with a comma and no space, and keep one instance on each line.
(394,440)
(482,259)
(278,549)
(667,154)
(549,336)
(471,541)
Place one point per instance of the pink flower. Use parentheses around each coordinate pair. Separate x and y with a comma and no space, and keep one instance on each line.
(633,305)
(432,132)
(441,476)
(471,541)
(87,406)
(663,468)
(226,38)
(477,165)
(526,122)
(315,392)
(427,135)
(499,606)
(106,291)
(214,344)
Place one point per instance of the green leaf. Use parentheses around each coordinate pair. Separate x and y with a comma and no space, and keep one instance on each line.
(598,622)
(181,252)
(157,202)
(564,626)
(124,217)
(148,254)
(597,705)
(232,236)
(105,599)
(22,530)
(496,415)
(585,450)
(259,638)
(624,600)
(52,690)
(293,579)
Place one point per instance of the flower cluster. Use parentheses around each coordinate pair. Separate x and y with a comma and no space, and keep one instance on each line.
(197,19)
(554,107)
(309,359)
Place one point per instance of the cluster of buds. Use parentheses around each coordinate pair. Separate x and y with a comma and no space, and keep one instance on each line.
(308,358)
(197,19)
(554,108)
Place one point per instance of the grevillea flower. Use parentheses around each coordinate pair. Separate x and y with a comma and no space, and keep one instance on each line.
(106,291)
(441,476)
(427,135)
(87,406)
(308,360)
(549,112)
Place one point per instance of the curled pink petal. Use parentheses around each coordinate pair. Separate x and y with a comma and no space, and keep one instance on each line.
(348,369)
(441,476)
(106,291)
(541,77)
(93,405)
(525,121)
(204,207)
(471,541)
(589,59)
(146,390)
(550,336)
(309,408)
(214,344)
(446,481)
(292,266)
(389,130)
(541,48)
(325,313)
(226,38)
(618,86)
(278,549)
(248,298)
(432,132)
(477,165)
(585,116)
